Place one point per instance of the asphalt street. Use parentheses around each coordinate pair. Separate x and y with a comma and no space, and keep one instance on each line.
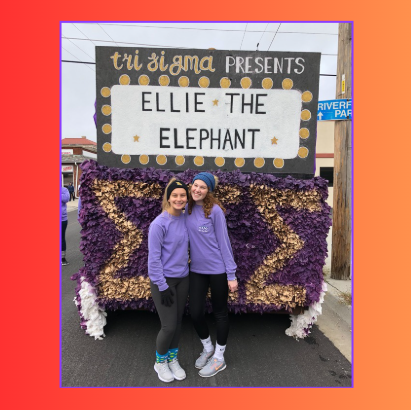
(259,354)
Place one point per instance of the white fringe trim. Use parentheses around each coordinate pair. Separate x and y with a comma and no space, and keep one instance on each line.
(301,324)
(95,317)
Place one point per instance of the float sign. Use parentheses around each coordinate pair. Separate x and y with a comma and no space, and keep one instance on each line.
(207,109)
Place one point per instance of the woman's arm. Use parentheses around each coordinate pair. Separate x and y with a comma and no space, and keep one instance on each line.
(220,228)
(65,195)
(155,267)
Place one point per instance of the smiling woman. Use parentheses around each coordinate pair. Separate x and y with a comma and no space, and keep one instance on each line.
(168,272)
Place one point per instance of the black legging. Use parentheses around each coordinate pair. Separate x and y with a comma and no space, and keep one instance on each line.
(170,316)
(63,235)
(199,284)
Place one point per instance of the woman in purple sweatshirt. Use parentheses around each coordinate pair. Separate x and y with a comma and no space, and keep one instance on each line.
(168,272)
(212,265)
(65,197)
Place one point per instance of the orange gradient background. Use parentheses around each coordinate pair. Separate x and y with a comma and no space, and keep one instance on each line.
(30,207)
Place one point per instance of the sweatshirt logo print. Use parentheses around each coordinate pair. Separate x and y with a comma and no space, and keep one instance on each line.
(203,228)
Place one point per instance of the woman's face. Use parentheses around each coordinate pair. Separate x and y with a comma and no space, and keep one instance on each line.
(199,190)
(178,199)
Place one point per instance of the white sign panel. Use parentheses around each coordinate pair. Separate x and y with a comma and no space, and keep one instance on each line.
(67,168)
(66,152)
(245,123)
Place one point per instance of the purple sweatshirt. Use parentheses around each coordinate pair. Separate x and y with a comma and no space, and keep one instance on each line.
(65,197)
(167,249)
(210,247)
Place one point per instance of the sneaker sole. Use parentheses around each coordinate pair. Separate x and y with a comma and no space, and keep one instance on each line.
(177,378)
(165,381)
(211,375)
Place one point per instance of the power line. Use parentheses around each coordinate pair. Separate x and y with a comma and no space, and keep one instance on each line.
(278,28)
(106,32)
(79,48)
(77,58)
(259,41)
(81,32)
(243,35)
(213,29)
(150,45)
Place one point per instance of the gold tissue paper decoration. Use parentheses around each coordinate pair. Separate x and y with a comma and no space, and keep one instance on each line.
(109,286)
(267,200)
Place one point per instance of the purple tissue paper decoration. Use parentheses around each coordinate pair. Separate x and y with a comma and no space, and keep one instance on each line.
(251,238)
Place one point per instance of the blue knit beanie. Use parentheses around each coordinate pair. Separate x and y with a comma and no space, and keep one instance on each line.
(207,178)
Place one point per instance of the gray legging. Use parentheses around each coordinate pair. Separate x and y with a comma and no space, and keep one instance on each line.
(170,316)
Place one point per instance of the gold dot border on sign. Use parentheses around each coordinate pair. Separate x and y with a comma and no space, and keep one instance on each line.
(306,96)
(259,162)
(303,152)
(164,80)
(106,128)
(199,161)
(125,159)
(204,82)
(287,84)
(105,92)
(124,79)
(219,161)
(305,115)
(239,162)
(267,83)
(184,81)
(106,110)
(180,160)
(143,159)
(107,147)
(161,159)
(246,82)
(304,133)
(144,79)
(278,162)
(225,82)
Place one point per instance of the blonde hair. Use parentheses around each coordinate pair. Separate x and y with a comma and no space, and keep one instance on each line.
(208,201)
(165,204)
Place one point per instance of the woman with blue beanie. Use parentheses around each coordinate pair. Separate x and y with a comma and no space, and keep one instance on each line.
(168,272)
(212,265)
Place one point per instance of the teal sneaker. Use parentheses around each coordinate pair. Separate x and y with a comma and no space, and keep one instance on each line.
(212,367)
(202,360)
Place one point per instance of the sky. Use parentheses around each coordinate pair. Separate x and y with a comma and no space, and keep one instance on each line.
(78,41)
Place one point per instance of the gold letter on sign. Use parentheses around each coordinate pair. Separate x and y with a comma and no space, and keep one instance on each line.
(109,286)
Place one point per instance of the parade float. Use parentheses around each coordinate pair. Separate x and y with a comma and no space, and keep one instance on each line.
(247,117)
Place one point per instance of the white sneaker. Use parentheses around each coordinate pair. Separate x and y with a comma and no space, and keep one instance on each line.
(176,369)
(203,359)
(164,372)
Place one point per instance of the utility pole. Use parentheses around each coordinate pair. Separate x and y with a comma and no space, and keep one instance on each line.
(341,237)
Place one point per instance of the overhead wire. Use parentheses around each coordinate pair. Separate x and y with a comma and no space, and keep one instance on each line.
(278,28)
(78,47)
(259,41)
(77,59)
(212,29)
(142,44)
(245,30)
(106,32)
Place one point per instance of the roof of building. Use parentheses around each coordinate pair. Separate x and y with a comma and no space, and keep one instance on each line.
(77,141)
(71,159)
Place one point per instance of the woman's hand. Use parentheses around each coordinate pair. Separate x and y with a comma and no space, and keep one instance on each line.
(233,285)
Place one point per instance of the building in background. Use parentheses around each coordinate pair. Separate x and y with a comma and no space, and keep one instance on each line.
(73,152)
(325,155)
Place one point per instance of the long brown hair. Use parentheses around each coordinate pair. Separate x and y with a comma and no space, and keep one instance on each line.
(208,201)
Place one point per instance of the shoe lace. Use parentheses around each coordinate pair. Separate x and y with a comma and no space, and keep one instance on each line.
(174,362)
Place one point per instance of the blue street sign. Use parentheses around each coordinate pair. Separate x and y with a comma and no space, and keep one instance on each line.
(334,110)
